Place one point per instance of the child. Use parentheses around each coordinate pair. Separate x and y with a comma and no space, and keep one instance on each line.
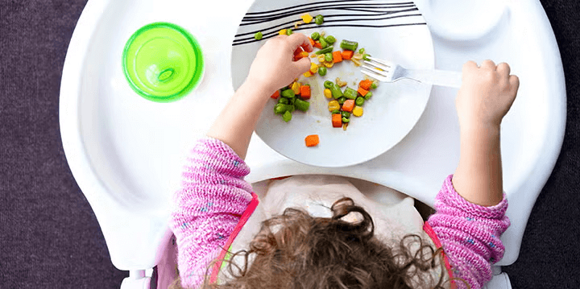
(216,208)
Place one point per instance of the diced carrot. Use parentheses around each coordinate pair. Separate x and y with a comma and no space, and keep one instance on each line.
(347,54)
(317,45)
(312,140)
(336,120)
(311,41)
(336,57)
(362,91)
(365,84)
(305,91)
(276,94)
(348,105)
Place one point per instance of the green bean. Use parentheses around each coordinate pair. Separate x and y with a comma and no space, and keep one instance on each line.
(325,50)
(283,100)
(315,36)
(322,70)
(258,36)
(319,19)
(345,114)
(328,84)
(287,116)
(374,85)
(330,39)
(349,45)
(368,96)
(341,100)
(288,31)
(350,93)
(301,104)
(336,111)
(288,93)
(323,42)
(359,101)
(345,120)
(328,57)
(336,92)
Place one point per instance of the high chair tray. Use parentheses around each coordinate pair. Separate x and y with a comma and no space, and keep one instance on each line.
(126,152)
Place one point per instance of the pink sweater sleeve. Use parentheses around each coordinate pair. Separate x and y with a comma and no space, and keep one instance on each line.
(212,198)
(469,234)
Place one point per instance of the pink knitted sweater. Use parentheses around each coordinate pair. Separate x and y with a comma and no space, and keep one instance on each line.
(214,202)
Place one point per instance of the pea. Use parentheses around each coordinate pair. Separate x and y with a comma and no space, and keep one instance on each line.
(330,39)
(315,36)
(319,19)
(280,108)
(328,84)
(345,114)
(258,36)
(322,71)
(366,57)
(288,93)
(292,100)
(361,51)
(345,120)
(336,111)
(328,57)
(288,32)
(368,96)
(290,107)
(283,100)
(359,101)
(374,85)
(341,99)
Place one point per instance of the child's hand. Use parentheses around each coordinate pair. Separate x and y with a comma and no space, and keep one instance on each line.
(486,94)
(274,66)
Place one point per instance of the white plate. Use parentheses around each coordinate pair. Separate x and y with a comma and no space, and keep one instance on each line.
(391,30)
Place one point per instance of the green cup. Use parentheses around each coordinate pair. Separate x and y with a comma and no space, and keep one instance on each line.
(162,62)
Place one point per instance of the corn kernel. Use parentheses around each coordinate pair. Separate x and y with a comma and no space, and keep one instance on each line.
(307,74)
(298,24)
(328,64)
(356,62)
(321,58)
(307,18)
(282,32)
(333,105)
(340,82)
(313,68)
(327,93)
(296,87)
(357,111)
(304,54)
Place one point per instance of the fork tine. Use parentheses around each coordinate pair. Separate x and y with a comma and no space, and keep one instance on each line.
(378,65)
(373,73)
(386,64)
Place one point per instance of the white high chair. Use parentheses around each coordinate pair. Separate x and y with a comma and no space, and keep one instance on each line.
(129,184)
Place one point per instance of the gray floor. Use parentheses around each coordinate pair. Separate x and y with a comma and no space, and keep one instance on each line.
(49,235)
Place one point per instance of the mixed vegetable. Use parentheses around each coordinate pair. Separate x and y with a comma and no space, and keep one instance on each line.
(344,101)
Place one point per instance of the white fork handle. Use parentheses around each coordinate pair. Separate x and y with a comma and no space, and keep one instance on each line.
(436,77)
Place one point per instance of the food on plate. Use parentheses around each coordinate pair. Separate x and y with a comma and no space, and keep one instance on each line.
(312,140)
(319,19)
(258,35)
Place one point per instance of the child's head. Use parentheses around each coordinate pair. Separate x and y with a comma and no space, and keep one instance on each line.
(295,250)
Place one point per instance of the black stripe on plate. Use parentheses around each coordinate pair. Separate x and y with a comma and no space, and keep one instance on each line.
(322,2)
(377,12)
(369,8)
(312,25)
(335,25)
(287,25)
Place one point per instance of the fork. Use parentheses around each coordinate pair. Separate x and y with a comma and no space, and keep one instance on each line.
(390,72)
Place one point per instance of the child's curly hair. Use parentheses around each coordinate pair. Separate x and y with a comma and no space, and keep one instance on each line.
(296,250)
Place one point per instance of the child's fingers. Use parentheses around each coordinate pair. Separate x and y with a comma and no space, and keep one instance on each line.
(488,64)
(514,83)
(469,66)
(503,69)
(302,65)
(299,39)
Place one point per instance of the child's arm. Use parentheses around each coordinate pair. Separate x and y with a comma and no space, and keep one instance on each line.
(214,195)
(485,97)
(272,69)
(471,206)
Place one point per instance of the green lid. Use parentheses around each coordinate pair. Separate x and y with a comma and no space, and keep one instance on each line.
(162,62)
